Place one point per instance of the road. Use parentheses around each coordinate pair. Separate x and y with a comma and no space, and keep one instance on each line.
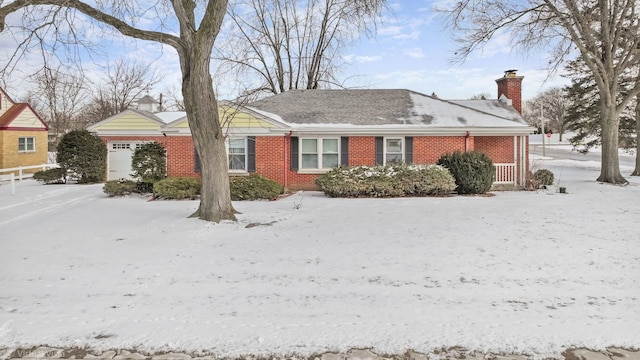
(565,152)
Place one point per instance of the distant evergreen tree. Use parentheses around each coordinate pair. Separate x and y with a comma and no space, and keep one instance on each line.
(583,115)
(84,154)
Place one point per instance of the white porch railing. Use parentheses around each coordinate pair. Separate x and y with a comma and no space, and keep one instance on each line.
(505,174)
(19,174)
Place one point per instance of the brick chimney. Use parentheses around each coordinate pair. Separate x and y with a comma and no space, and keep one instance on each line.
(510,86)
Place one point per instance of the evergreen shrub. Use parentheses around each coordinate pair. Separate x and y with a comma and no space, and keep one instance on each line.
(149,163)
(254,187)
(392,180)
(51,176)
(119,187)
(474,171)
(83,154)
(543,177)
(177,188)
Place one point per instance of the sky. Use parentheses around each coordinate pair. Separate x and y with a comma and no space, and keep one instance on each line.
(530,272)
(410,49)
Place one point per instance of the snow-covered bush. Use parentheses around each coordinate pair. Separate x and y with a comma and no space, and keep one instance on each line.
(543,177)
(177,188)
(254,187)
(474,171)
(83,154)
(51,176)
(392,180)
(119,187)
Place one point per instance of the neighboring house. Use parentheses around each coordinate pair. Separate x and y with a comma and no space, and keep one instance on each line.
(23,135)
(295,136)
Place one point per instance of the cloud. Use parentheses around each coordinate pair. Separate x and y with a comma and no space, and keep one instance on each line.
(361,59)
(415,53)
(366,59)
(390,30)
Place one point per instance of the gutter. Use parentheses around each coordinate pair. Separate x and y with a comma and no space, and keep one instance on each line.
(442,131)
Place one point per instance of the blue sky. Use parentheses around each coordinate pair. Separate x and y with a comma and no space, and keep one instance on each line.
(412,50)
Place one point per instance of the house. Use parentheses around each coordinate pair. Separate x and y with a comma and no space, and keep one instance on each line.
(295,136)
(23,135)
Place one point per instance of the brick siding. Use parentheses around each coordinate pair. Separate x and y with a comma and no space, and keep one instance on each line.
(273,154)
(10,157)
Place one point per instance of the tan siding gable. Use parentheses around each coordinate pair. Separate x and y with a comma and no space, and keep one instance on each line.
(233,119)
(27,119)
(129,121)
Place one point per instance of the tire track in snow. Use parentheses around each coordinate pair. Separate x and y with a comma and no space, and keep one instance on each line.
(42,209)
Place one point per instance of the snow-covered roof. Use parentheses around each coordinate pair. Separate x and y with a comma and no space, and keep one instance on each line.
(170,116)
(385,107)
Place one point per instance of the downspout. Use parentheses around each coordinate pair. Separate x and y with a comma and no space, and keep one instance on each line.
(287,165)
(466,141)
(516,164)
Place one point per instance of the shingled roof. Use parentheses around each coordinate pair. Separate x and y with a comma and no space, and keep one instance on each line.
(374,107)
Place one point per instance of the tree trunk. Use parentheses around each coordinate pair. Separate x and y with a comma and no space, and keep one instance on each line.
(610,165)
(208,136)
(636,171)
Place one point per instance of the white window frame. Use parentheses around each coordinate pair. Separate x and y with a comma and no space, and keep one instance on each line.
(402,149)
(26,143)
(246,153)
(319,153)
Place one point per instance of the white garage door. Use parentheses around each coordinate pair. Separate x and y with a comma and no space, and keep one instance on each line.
(119,162)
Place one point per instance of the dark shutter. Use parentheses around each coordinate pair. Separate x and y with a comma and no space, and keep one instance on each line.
(294,152)
(408,150)
(379,150)
(251,153)
(344,151)
(196,161)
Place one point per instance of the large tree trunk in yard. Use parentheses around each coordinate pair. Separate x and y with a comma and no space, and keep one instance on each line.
(200,102)
(208,136)
(610,165)
(636,171)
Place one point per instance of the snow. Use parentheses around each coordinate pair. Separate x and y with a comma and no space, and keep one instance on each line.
(441,114)
(170,116)
(520,272)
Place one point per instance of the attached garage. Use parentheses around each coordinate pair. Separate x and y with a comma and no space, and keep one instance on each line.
(119,159)
(140,127)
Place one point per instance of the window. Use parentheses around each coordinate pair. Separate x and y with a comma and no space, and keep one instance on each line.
(121,146)
(319,153)
(26,144)
(241,155)
(237,154)
(393,150)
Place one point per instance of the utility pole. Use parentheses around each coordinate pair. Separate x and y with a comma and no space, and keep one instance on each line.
(542,134)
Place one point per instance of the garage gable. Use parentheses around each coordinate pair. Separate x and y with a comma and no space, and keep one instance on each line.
(128,120)
(234,117)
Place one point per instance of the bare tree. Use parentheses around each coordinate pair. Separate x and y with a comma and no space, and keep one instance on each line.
(551,107)
(605,32)
(196,25)
(124,83)
(58,99)
(173,100)
(293,44)
(63,96)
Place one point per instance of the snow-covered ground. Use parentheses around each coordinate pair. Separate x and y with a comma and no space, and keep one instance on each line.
(519,272)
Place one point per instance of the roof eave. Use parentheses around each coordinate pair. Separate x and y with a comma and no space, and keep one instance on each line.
(404,130)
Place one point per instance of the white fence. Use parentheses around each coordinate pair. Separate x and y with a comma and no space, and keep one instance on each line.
(19,174)
(505,174)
